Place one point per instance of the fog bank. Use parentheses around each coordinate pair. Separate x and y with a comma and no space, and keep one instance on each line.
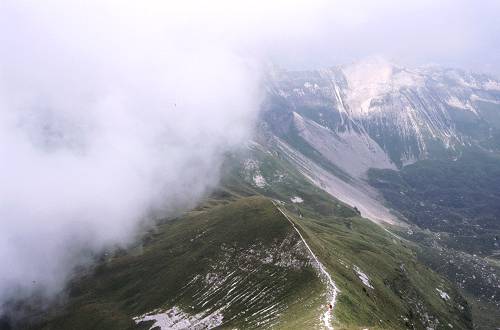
(107,112)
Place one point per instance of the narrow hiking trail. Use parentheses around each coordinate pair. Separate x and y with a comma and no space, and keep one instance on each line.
(333,291)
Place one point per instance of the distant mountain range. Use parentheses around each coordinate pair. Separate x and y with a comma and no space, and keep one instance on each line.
(406,114)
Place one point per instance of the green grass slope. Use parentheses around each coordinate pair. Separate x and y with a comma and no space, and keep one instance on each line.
(240,259)
(236,262)
(401,292)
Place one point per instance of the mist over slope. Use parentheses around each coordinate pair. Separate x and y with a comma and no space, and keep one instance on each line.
(103,122)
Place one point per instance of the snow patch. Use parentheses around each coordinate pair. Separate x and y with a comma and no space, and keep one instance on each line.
(252,173)
(457,103)
(259,181)
(443,294)
(174,318)
(311,87)
(363,277)
(474,97)
(492,85)
(296,200)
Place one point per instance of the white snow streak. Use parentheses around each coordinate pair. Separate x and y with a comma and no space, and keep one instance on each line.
(259,181)
(363,277)
(176,319)
(296,200)
(443,294)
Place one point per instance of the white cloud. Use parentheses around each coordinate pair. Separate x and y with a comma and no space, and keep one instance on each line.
(106,114)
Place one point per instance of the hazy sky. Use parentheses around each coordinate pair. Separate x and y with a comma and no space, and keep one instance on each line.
(460,33)
(305,34)
(110,109)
